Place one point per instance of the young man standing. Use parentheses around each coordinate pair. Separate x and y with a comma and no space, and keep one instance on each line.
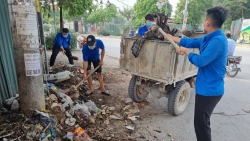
(91,54)
(231,45)
(149,22)
(212,68)
(62,42)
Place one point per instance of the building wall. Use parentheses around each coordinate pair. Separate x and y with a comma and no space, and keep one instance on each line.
(8,78)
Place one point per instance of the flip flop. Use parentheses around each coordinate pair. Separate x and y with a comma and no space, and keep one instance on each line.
(88,93)
(105,93)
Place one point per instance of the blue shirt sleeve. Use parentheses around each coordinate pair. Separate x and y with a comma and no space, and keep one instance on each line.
(85,56)
(191,42)
(211,52)
(142,30)
(58,39)
(101,45)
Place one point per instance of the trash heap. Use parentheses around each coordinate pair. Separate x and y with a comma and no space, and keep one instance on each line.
(69,119)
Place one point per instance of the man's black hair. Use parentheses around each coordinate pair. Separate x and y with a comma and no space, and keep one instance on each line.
(65,30)
(218,15)
(149,17)
(228,35)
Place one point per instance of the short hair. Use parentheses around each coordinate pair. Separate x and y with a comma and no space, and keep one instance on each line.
(228,35)
(65,30)
(218,15)
(149,17)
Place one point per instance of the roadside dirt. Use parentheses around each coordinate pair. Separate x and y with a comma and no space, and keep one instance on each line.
(116,84)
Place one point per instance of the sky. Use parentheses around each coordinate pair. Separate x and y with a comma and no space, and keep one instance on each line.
(132,2)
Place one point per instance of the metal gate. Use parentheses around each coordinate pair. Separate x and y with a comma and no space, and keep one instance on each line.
(8,78)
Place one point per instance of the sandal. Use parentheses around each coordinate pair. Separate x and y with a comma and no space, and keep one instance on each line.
(88,93)
(105,93)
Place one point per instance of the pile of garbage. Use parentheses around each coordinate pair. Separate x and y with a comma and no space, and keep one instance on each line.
(65,118)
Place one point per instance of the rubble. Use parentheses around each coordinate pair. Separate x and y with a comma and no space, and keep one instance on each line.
(64,115)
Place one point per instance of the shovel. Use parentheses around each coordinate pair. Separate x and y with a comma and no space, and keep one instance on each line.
(74,88)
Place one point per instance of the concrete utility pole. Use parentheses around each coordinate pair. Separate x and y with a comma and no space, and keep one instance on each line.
(27,55)
(185,13)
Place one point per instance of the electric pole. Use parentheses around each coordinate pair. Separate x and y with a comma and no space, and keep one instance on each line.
(27,55)
(185,13)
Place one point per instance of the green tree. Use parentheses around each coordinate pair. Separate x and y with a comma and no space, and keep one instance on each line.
(128,14)
(196,11)
(102,15)
(144,7)
(237,9)
(74,7)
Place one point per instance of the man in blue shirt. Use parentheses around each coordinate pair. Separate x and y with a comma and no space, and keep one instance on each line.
(62,43)
(231,45)
(91,54)
(149,21)
(212,68)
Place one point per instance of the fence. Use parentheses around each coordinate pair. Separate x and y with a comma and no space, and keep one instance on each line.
(236,28)
(115,29)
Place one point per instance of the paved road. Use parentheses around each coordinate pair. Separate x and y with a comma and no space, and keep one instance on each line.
(112,46)
(233,125)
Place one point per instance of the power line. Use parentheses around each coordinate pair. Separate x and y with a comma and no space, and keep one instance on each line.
(124,3)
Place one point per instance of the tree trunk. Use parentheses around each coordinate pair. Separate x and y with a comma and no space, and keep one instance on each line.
(61,18)
(54,15)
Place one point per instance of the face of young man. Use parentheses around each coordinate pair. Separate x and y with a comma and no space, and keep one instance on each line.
(207,24)
(65,34)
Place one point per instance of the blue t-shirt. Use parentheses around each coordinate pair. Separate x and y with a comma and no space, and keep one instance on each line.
(142,30)
(92,54)
(61,41)
(211,62)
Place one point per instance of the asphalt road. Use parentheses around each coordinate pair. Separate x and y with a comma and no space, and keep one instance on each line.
(112,46)
(229,122)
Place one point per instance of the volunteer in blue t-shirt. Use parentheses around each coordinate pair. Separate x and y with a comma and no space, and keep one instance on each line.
(149,22)
(62,42)
(212,68)
(91,55)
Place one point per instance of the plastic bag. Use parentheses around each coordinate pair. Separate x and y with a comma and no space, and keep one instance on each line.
(91,105)
(81,110)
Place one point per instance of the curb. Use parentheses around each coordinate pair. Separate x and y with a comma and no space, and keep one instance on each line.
(112,56)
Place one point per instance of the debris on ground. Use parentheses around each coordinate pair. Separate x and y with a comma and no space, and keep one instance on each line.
(130,127)
(169,134)
(84,118)
(246,110)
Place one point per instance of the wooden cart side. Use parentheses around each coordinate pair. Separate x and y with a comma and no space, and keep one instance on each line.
(183,67)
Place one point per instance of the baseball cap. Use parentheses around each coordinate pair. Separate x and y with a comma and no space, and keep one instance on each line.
(90,40)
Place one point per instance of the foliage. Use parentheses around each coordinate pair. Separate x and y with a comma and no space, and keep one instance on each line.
(196,11)
(128,14)
(103,32)
(102,15)
(235,10)
(144,7)
(46,27)
(75,7)
(49,40)
(73,40)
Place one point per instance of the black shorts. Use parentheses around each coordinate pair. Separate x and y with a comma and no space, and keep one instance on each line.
(96,64)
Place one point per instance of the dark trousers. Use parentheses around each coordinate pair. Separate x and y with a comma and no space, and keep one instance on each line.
(55,51)
(204,106)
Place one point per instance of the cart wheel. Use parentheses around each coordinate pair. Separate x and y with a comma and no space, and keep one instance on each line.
(137,93)
(178,98)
